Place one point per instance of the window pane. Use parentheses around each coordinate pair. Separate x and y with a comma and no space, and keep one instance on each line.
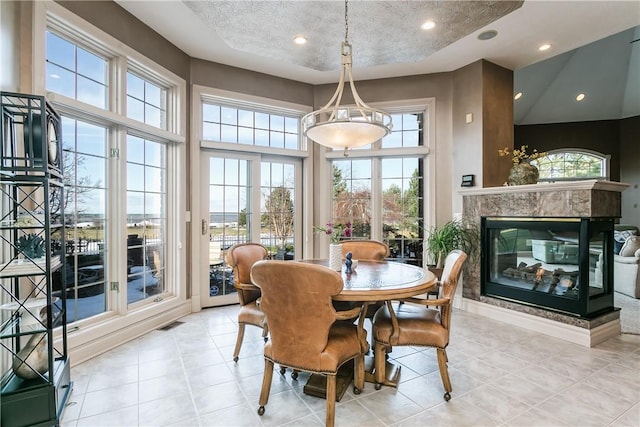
(75,72)
(153,95)
(135,109)
(245,118)
(146,101)
(85,209)
(135,149)
(60,51)
(152,116)
(146,221)
(211,113)
(229,133)
(134,177)
(154,154)
(153,179)
(211,131)
(135,86)
(91,139)
(245,136)
(91,92)
(61,81)
(249,127)
(229,116)
(92,66)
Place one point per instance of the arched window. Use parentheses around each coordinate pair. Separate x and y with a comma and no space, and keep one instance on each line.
(572,164)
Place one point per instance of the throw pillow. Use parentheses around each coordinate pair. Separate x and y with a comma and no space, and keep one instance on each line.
(619,237)
(631,245)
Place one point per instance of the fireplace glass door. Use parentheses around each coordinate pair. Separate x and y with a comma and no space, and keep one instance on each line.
(561,264)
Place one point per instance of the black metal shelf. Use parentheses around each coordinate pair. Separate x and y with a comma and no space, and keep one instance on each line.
(32,191)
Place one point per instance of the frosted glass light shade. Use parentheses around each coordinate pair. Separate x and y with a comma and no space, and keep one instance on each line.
(346,127)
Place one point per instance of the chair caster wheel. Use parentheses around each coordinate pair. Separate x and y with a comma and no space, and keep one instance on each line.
(235,359)
(261,410)
(294,375)
(266,339)
(378,386)
(282,370)
(356,390)
(447,396)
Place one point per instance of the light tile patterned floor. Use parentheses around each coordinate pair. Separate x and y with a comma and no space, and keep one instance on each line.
(502,375)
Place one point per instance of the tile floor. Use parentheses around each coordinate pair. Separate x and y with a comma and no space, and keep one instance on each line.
(502,375)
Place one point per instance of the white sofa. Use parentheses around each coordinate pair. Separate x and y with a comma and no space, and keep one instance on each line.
(626,274)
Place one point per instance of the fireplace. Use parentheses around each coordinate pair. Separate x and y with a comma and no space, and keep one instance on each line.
(559,264)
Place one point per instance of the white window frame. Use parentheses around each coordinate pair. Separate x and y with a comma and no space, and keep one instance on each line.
(423,105)
(200,94)
(605,160)
(121,322)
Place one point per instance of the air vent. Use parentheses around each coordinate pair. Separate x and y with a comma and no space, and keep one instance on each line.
(170,326)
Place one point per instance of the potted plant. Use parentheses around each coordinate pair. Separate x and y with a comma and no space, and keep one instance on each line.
(453,235)
(31,246)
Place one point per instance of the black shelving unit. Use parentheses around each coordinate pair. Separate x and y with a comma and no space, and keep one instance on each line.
(34,365)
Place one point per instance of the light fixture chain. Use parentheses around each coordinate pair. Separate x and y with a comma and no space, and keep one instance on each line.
(346,21)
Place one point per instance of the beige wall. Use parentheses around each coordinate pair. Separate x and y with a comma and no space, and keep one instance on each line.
(482,90)
(9,46)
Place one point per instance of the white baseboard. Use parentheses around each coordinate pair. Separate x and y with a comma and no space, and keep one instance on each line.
(121,333)
(574,334)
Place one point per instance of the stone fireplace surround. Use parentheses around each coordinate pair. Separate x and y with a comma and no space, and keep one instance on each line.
(590,198)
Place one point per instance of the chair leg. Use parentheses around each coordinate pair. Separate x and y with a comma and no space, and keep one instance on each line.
(265,332)
(379,364)
(236,351)
(444,372)
(331,400)
(358,377)
(266,385)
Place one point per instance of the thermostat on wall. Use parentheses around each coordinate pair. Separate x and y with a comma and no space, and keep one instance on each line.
(467,181)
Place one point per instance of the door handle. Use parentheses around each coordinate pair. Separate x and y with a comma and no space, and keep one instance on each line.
(204,227)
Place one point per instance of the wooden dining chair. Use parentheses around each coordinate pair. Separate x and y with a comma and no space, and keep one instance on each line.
(422,323)
(240,258)
(371,250)
(306,332)
(365,249)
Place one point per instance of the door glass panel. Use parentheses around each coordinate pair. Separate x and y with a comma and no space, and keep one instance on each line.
(277,191)
(229,217)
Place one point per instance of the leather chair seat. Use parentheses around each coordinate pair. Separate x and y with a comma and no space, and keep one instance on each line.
(252,315)
(418,326)
(343,344)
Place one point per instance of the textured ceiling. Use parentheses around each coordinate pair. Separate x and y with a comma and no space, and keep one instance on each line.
(387,42)
(373,28)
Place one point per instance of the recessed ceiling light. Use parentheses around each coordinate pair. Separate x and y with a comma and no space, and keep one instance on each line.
(518,96)
(487,35)
(544,47)
(580,97)
(428,25)
(299,40)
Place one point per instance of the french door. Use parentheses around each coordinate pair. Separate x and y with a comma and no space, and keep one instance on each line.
(247,198)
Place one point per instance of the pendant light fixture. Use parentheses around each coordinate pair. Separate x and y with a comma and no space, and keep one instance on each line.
(339,126)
